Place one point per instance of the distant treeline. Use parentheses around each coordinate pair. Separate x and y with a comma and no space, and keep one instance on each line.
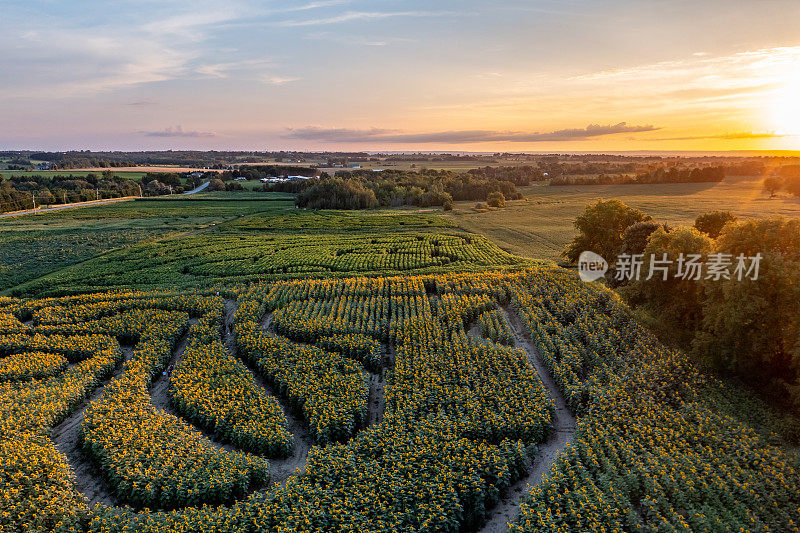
(186,158)
(257,172)
(361,189)
(657,175)
(19,192)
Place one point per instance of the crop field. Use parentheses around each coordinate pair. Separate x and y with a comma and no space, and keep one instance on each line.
(34,245)
(243,365)
(372,404)
(540,226)
(214,259)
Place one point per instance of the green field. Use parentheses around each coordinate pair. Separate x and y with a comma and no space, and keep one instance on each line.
(34,245)
(265,245)
(76,173)
(541,225)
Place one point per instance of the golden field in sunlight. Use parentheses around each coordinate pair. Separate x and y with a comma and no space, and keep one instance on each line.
(540,226)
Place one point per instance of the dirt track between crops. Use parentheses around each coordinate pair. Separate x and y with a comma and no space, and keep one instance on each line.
(66,437)
(564,424)
(280,469)
(159,391)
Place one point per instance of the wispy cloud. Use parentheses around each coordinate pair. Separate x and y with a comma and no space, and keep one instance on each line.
(317,5)
(725,136)
(177,131)
(278,80)
(355,39)
(360,15)
(225,69)
(461,136)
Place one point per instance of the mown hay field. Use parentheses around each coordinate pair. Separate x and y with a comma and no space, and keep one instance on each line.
(540,226)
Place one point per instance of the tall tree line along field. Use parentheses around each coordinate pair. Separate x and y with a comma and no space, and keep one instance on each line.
(292,370)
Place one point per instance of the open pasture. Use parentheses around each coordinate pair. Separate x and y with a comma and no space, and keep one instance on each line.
(540,225)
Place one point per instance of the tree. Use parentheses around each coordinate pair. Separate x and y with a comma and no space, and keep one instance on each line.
(672,306)
(772,184)
(711,223)
(600,227)
(448,204)
(216,184)
(496,199)
(751,328)
(792,185)
(45,197)
(635,237)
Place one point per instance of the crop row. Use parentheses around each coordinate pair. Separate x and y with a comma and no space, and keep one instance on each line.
(152,458)
(28,365)
(329,389)
(359,347)
(493,326)
(218,392)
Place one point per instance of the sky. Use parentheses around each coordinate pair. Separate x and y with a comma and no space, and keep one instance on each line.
(505,75)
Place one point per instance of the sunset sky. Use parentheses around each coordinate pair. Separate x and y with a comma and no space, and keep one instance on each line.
(566,75)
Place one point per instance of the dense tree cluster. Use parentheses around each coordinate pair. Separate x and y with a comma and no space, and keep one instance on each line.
(660,174)
(395,188)
(785,178)
(19,192)
(712,223)
(521,175)
(337,194)
(742,325)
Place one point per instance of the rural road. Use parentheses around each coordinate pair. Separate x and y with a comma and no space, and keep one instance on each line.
(563,430)
(68,206)
(198,188)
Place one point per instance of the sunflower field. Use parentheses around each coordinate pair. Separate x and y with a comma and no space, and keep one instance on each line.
(462,417)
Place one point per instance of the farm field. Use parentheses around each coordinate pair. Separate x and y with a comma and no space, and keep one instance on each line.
(222,257)
(34,245)
(236,364)
(540,226)
(370,404)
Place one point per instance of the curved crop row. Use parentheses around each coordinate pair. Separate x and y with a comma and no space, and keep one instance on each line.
(359,347)
(219,393)
(329,389)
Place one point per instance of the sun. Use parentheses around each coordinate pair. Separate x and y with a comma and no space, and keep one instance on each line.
(785,104)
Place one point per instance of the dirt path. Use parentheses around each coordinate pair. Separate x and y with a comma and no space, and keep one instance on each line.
(66,437)
(280,469)
(67,206)
(376,403)
(563,431)
(159,388)
(159,392)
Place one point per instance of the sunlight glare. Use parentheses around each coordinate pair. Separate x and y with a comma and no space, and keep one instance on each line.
(785,106)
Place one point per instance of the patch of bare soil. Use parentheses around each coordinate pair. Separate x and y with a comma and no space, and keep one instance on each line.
(376,403)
